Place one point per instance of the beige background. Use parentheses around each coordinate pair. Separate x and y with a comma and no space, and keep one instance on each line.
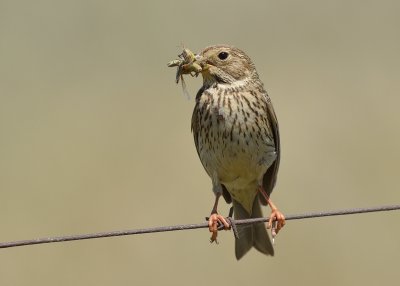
(95,136)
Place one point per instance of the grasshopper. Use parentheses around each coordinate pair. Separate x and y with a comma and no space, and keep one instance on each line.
(186,64)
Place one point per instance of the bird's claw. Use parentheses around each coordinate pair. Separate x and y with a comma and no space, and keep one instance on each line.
(276,222)
(214,221)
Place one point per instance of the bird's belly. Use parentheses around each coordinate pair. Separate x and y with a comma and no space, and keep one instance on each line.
(238,167)
(236,151)
(240,170)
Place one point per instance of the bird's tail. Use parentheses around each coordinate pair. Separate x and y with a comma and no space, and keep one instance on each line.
(251,234)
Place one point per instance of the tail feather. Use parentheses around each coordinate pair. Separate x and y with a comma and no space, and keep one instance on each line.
(251,235)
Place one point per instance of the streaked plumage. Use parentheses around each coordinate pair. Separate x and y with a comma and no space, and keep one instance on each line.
(237,138)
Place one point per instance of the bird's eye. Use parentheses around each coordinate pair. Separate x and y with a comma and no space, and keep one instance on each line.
(223,55)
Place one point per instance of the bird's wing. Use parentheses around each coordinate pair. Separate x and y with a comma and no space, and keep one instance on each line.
(270,176)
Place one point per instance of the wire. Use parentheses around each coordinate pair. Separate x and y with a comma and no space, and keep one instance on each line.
(192,226)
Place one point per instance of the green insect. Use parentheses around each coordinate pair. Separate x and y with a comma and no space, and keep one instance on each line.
(186,64)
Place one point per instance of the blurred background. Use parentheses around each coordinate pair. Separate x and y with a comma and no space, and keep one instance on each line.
(95,136)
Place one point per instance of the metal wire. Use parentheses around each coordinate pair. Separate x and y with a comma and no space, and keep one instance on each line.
(192,226)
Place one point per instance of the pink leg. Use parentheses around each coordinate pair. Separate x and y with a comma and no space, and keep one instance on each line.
(216,219)
(277,219)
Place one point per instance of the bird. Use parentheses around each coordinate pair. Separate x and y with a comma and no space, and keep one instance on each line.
(236,135)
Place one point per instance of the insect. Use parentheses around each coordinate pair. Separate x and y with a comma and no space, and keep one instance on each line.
(186,65)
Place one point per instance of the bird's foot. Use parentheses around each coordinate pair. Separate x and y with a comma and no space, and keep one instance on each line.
(214,222)
(276,222)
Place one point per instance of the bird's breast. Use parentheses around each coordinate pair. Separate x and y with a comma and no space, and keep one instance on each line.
(234,137)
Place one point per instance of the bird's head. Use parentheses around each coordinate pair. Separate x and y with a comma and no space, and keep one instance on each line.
(225,64)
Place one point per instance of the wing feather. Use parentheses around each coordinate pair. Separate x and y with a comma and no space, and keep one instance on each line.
(270,177)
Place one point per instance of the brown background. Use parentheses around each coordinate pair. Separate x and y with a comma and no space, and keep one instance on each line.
(95,136)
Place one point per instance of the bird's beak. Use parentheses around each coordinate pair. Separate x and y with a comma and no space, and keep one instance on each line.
(202,62)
